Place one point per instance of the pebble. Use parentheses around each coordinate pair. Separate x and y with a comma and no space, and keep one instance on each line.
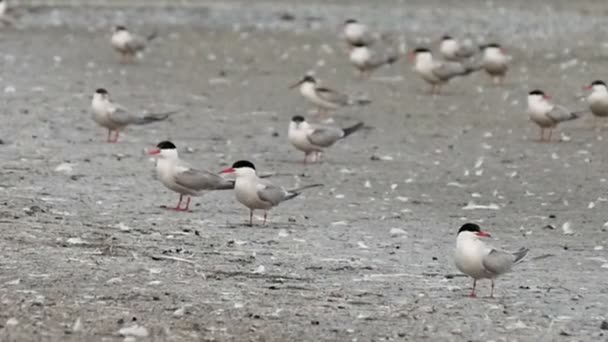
(134,330)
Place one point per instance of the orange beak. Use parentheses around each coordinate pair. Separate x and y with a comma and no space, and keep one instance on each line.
(154,152)
(228,170)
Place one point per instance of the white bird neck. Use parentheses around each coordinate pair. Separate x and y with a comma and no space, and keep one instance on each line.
(538,104)
(470,242)
(424,61)
(598,92)
(308,88)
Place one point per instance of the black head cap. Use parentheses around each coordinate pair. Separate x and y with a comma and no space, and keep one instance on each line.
(120,28)
(243,163)
(350,21)
(598,82)
(493,45)
(358,44)
(536,92)
(419,50)
(166,145)
(309,78)
(101,91)
(446,37)
(469,227)
(298,118)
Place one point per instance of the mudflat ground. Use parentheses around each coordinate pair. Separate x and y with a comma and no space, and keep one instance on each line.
(87,248)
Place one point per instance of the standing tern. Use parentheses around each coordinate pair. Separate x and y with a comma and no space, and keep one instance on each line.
(257,193)
(128,44)
(546,114)
(366,60)
(313,139)
(115,118)
(598,99)
(324,99)
(356,33)
(494,61)
(182,178)
(451,49)
(437,72)
(480,261)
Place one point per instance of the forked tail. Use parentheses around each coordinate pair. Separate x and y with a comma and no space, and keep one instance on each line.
(352,129)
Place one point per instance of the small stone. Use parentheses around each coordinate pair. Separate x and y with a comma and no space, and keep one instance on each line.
(397,232)
(12,321)
(77,325)
(134,330)
(179,312)
(604,325)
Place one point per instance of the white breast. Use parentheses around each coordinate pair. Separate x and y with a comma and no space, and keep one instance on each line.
(360,56)
(246,193)
(298,138)
(120,39)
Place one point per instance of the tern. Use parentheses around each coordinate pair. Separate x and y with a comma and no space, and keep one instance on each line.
(115,118)
(257,193)
(324,99)
(546,114)
(451,49)
(366,60)
(128,44)
(356,33)
(182,178)
(480,261)
(495,62)
(437,72)
(313,139)
(598,99)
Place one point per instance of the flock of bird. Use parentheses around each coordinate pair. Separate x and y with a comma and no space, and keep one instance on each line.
(473,256)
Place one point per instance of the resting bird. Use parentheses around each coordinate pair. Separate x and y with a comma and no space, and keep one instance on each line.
(128,44)
(598,100)
(451,49)
(257,193)
(480,261)
(546,114)
(313,139)
(324,99)
(182,178)
(115,118)
(494,62)
(437,72)
(366,60)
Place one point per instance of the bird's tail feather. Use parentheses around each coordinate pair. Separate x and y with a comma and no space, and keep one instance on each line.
(152,36)
(352,129)
(153,117)
(520,254)
(297,191)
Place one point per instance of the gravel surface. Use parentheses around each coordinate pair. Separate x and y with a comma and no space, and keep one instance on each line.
(90,253)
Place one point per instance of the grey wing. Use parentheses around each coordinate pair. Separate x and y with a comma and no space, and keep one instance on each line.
(559,114)
(121,116)
(467,49)
(325,136)
(271,193)
(447,70)
(333,96)
(498,262)
(136,44)
(202,180)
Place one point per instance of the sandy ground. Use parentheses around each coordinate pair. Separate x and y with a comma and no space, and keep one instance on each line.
(87,248)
